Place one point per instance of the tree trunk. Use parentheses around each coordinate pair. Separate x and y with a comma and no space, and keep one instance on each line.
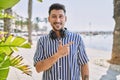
(8,21)
(29,21)
(116,35)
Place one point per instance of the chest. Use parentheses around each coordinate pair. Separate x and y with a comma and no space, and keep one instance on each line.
(51,47)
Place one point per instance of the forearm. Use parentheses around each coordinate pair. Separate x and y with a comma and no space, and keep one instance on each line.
(85,72)
(63,50)
(47,63)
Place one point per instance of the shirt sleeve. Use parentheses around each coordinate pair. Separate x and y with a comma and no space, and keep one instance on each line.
(82,56)
(38,56)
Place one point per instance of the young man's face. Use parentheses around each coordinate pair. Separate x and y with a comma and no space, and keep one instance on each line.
(57,19)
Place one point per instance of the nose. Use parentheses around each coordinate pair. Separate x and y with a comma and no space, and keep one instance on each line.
(57,19)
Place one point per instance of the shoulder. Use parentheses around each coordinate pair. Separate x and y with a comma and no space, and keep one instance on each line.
(74,35)
(43,38)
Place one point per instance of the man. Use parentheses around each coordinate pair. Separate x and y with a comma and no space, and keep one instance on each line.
(61,54)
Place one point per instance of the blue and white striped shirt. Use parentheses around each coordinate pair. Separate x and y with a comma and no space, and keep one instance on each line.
(68,67)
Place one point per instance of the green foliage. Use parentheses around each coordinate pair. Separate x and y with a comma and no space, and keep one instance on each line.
(4,4)
(5,15)
(9,44)
(40,0)
(4,66)
(17,63)
(19,22)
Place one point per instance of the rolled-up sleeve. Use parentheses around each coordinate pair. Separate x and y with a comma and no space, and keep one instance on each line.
(82,56)
(39,52)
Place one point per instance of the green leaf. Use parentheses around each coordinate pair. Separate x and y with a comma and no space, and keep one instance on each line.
(7,46)
(17,63)
(5,15)
(14,48)
(11,44)
(4,4)
(2,57)
(26,45)
(18,41)
(15,42)
(8,40)
(1,50)
(4,66)
(40,0)
(4,74)
(7,50)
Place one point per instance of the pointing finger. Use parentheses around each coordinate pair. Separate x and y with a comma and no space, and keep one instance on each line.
(60,44)
(70,43)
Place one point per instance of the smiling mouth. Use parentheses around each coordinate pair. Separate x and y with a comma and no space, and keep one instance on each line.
(57,23)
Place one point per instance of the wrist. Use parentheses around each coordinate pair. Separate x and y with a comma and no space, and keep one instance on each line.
(57,55)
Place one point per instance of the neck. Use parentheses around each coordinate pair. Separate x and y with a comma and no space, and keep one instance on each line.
(58,34)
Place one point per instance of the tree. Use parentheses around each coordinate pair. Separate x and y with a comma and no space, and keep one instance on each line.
(7,21)
(8,45)
(29,20)
(116,34)
(6,5)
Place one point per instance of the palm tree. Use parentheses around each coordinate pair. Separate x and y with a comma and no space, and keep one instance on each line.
(7,21)
(8,45)
(116,34)
(6,5)
(29,21)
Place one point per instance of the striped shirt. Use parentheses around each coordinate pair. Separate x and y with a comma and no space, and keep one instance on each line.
(68,67)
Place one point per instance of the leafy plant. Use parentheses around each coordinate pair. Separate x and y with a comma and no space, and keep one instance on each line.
(8,45)
(5,15)
(40,0)
(4,4)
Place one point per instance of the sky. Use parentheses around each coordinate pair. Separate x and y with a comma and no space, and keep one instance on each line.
(82,15)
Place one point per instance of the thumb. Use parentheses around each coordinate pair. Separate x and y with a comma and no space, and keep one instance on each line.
(60,44)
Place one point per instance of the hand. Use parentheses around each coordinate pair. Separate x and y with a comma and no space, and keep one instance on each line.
(63,50)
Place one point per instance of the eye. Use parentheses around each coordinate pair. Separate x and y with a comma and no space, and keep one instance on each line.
(53,16)
(61,16)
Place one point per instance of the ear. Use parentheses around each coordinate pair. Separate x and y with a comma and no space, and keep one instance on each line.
(49,18)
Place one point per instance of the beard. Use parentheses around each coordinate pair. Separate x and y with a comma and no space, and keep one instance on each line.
(57,26)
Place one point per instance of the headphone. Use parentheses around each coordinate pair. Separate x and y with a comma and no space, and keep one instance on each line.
(62,33)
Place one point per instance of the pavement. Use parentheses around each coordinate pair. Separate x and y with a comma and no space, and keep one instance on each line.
(99,68)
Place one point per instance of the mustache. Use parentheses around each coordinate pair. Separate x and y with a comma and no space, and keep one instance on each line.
(57,23)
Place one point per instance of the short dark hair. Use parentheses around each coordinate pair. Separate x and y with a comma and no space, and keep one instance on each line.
(57,6)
